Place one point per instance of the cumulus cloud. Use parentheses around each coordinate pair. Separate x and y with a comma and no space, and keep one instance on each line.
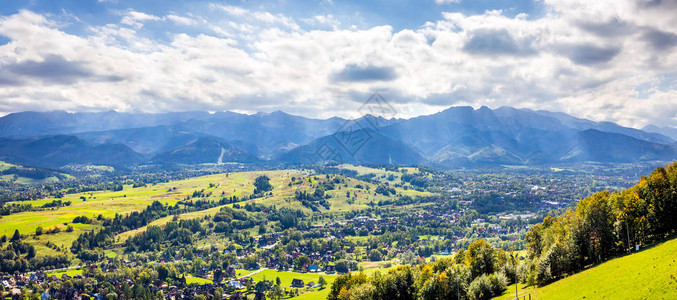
(52,69)
(604,60)
(352,73)
(497,42)
(585,54)
(660,40)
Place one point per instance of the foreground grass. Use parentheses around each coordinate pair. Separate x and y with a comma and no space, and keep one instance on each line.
(651,273)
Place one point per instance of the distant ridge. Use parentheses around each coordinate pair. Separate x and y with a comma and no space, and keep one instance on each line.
(456,137)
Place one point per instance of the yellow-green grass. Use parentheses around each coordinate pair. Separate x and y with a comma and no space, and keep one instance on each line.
(112,254)
(26,180)
(197,280)
(5,165)
(356,239)
(440,256)
(162,221)
(651,273)
(62,239)
(381,173)
(316,293)
(284,195)
(429,237)
(71,273)
(287,277)
(372,267)
(109,203)
(243,272)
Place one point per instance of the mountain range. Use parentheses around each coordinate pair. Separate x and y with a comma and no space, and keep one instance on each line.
(456,137)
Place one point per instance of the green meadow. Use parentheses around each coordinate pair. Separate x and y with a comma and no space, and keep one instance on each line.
(71,273)
(648,274)
(287,277)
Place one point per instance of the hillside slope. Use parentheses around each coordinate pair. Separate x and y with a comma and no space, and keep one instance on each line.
(650,273)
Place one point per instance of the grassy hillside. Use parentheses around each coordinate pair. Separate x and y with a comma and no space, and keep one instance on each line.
(109,203)
(26,180)
(650,273)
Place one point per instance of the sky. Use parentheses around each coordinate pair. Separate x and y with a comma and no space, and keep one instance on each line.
(604,60)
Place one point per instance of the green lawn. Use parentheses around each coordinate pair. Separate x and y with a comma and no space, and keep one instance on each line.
(243,272)
(287,277)
(71,273)
(651,273)
(372,267)
(197,280)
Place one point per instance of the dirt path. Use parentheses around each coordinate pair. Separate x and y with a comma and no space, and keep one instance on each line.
(252,273)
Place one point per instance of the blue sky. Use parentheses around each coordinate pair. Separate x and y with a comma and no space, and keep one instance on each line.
(606,60)
(397,13)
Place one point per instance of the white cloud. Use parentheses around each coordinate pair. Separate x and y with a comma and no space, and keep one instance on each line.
(136,19)
(323,20)
(585,58)
(182,20)
(447,1)
(233,10)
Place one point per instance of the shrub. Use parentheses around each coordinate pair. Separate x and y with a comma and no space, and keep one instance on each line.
(487,286)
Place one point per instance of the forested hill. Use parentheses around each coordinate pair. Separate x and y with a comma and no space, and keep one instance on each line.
(604,225)
(601,226)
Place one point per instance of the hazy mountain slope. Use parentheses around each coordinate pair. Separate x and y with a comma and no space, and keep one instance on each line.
(377,149)
(666,131)
(266,134)
(145,140)
(583,124)
(56,151)
(205,150)
(458,136)
(30,124)
(463,136)
(595,145)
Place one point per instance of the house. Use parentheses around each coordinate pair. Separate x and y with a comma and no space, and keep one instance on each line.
(310,285)
(235,285)
(330,269)
(313,268)
(297,283)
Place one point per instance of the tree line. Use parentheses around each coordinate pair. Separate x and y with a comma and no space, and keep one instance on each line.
(480,272)
(602,226)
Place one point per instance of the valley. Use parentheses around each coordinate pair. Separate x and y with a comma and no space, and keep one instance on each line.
(338,150)
(209,231)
